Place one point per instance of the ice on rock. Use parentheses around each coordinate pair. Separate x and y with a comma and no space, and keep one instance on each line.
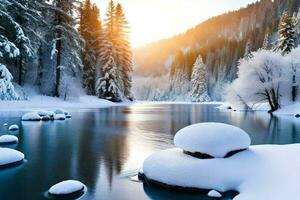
(215,140)
(60,117)
(33,116)
(214,194)
(8,139)
(68,187)
(9,157)
(13,127)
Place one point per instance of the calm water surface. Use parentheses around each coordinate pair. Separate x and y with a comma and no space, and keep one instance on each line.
(103,148)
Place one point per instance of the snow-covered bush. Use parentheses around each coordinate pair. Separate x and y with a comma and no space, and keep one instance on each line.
(7,91)
(262,78)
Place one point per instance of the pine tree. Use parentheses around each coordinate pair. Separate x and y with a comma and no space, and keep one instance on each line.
(124,53)
(67,41)
(7,91)
(91,31)
(109,83)
(286,32)
(266,42)
(199,82)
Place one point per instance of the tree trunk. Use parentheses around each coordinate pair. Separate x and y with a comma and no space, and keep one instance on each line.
(294,89)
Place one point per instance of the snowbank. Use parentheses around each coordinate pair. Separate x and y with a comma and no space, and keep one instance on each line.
(13,127)
(10,157)
(44,113)
(261,172)
(68,187)
(38,102)
(213,139)
(8,139)
(293,109)
(33,116)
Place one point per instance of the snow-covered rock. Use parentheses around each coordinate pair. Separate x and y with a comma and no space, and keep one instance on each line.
(61,111)
(59,117)
(260,172)
(9,157)
(212,139)
(33,116)
(68,116)
(46,118)
(13,127)
(8,139)
(68,187)
(44,113)
(5,124)
(214,194)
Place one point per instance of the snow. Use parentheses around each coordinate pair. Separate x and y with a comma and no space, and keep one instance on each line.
(60,117)
(32,116)
(214,194)
(214,139)
(261,172)
(13,127)
(60,111)
(45,102)
(7,139)
(10,156)
(44,113)
(292,109)
(66,187)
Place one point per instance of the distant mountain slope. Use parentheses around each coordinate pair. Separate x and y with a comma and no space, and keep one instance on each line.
(221,40)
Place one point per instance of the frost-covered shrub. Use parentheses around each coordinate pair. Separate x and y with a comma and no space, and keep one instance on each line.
(266,77)
(7,91)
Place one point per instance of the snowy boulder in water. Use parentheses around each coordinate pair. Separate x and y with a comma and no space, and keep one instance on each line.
(46,118)
(10,157)
(214,194)
(59,117)
(212,140)
(8,139)
(44,113)
(33,116)
(66,188)
(61,111)
(13,127)
(68,116)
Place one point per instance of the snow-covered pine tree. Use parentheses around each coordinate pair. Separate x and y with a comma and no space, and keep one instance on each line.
(91,31)
(286,32)
(266,42)
(199,82)
(27,13)
(124,53)
(7,91)
(108,84)
(68,43)
(248,50)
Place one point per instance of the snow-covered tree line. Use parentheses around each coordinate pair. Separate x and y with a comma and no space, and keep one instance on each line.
(107,54)
(269,75)
(42,46)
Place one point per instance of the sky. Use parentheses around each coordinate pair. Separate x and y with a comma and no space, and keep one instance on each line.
(152,20)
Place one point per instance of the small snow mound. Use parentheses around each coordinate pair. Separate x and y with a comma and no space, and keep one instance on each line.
(10,157)
(68,116)
(60,117)
(8,139)
(13,127)
(214,194)
(61,111)
(215,140)
(68,187)
(44,113)
(33,116)
(5,124)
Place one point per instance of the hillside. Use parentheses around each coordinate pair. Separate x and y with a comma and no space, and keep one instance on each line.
(221,41)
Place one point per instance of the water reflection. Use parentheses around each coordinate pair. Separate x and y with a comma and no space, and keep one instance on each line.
(104,147)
